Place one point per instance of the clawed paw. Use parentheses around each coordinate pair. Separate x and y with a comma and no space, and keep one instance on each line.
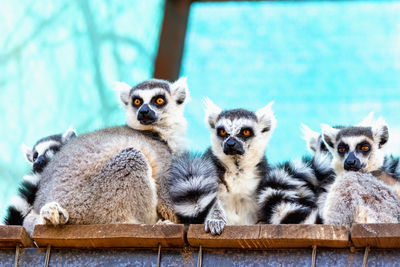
(214,226)
(164,222)
(52,213)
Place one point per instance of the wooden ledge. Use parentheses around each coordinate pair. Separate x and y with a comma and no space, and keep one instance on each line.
(110,235)
(13,235)
(376,235)
(271,236)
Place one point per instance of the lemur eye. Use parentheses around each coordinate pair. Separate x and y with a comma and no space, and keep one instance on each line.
(160,101)
(222,132)
(342,149)
(137,102)
(35,156)
(365,148)
(246,132)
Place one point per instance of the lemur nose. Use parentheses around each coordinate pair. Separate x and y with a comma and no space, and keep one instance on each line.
(351,162)
(144,110)
(230,143)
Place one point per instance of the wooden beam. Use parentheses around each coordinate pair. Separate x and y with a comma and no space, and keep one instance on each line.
(271,236)
(376,235)
(13,235)
(172,39)
(110,235)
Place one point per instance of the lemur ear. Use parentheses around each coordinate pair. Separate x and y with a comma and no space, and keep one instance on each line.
(266,118)
(367,121)
(380,131)
(180,90)
(329,135)
(212,112)
(311,138)
(68,135)
(28,152)
(122,89)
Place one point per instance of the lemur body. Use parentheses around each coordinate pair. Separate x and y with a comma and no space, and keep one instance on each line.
(117,175)
(39,156)
(227,192)
(356,196)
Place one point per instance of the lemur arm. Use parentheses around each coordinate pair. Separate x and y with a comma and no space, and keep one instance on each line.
(216,219)
(165,204)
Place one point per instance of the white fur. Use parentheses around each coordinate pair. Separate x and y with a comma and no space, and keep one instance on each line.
(28,152)
(187,209)
(282,210)
(69,133)
(171,124)
(311,138)
(21,205)
(33,179)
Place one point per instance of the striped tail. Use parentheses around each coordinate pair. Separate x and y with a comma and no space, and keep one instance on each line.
(291,192)
(391,166)
(193,184)
(22,203)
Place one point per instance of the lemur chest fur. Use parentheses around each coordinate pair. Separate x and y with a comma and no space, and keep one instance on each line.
(238,196)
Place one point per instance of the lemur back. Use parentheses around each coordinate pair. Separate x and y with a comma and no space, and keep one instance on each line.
(39,156)
(356,196)
(117,175)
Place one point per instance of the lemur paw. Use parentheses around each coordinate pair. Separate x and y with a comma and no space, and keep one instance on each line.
(52,213)
(214,226)
(160,221)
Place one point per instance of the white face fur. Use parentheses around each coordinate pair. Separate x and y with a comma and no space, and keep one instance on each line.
(239,134)
(156,109)
(358,148)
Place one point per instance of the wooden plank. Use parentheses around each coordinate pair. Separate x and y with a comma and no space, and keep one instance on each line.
(172,39)
(271,236)
(12,235)
(110,235)
(376,235)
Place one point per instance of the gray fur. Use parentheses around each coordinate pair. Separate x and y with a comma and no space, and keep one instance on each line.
(360,198)
(114,175)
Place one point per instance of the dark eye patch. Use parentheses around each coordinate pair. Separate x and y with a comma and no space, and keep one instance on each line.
(246,133)
(159,100)
(221,132)
(364,147)
(342,148)
(35,156)
(323,147)
(137,101)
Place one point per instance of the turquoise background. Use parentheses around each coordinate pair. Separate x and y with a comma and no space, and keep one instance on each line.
(320,61)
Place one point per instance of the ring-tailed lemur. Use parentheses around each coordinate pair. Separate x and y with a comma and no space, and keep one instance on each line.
(356,196)
(220,186)
(39,156)
(117,175)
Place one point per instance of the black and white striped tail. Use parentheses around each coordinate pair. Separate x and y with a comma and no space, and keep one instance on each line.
(291,192)
(193,184)
(21,204)
(391,166)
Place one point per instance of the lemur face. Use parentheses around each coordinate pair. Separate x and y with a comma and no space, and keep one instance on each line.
(45,149)
(238,132)
(357,148)
(315,144)
(153,102)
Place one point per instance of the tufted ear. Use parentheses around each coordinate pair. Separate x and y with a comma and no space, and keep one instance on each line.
(180,90)
(266,118)
(28,152)
(122,89)
(68,135)
(329,135)
(367,121)
(380,131)
(212,112)
(311,138)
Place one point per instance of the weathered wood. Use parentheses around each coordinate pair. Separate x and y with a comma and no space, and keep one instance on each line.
(172,39)
(376,235)
(12,235)
(110,235)
(271,236)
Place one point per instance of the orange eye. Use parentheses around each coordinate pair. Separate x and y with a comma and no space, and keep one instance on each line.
(342,149)
(365,148)
(222,132)
(160,101)
(246,132)
(137,102)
